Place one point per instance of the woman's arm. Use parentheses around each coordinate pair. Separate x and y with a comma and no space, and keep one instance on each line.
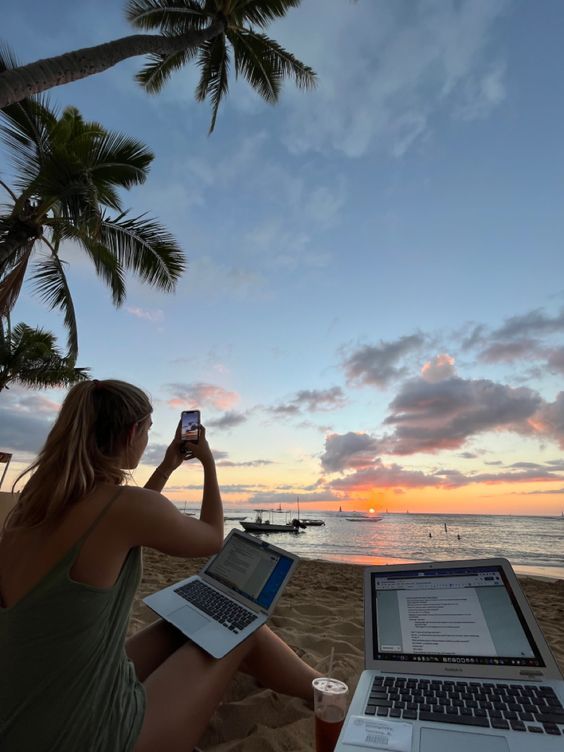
(152,520)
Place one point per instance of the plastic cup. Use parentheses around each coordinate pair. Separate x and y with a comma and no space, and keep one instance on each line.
(330,698)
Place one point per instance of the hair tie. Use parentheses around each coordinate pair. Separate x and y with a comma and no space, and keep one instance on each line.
(96,384)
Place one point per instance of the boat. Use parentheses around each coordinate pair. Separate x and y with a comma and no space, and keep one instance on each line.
(232,519)
(312,522)
(361,518)
(260,525)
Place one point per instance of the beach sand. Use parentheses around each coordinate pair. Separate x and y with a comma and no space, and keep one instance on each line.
(320,608)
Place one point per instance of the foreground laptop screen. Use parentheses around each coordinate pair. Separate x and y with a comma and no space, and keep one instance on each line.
(252,569)
(459,615)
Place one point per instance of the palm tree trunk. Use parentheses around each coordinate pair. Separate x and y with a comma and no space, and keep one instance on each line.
(26,80)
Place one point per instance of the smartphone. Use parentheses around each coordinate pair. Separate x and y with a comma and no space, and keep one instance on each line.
(190,426)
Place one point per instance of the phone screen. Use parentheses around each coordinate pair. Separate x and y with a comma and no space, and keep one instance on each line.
(190,426)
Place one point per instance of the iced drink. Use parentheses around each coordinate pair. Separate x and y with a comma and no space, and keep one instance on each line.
(330,707)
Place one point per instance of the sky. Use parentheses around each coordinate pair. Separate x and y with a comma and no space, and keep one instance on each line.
(373,310)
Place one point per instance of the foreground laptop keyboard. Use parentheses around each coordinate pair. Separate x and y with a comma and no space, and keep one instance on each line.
(216,605)
(517,707)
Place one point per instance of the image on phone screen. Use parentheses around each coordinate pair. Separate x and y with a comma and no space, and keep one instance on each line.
(190,426)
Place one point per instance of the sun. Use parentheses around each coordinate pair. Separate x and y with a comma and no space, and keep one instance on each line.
(371,510)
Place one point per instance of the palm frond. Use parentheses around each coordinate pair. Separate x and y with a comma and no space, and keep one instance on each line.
(11,283)
(118,159)
(24,126)
(214,63)
(32,358)
(254,61)
(262,12)
(250,47)
(52,287)
(107,266)
(159,68)
(173,16)
(144,247)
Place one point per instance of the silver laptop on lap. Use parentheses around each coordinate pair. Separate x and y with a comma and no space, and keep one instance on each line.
(231,597)
(454,662)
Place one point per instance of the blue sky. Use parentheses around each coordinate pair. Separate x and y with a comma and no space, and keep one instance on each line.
(373,310)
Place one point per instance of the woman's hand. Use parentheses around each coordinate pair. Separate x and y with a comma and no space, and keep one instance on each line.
(180,450)
(201,450)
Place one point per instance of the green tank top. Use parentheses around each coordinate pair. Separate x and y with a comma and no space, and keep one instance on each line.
(66,684)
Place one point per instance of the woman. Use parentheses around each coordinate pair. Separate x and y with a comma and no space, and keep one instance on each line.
(70,563)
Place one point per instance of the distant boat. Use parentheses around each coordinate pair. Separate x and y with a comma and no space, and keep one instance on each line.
(260,525)
(230,519)
(362,518)
(312,523)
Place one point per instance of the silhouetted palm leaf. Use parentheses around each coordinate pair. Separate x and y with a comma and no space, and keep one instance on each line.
(52,286)
(262,61)
(30,357)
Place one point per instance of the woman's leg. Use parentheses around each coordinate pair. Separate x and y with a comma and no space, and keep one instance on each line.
(274,664)
(152,645)
(183,693)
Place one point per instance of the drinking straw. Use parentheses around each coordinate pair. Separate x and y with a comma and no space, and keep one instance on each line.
(330,669)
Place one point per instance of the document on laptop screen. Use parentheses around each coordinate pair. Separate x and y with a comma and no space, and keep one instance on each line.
(444,621)
(436,614)
(244,566)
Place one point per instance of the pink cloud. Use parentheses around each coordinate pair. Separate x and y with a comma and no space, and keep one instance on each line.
(201,394)
(439,368)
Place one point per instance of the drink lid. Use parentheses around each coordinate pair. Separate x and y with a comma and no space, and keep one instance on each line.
(330,686)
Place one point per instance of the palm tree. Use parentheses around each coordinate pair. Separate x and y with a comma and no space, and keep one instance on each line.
(30,357)
(209,31)
(67,172)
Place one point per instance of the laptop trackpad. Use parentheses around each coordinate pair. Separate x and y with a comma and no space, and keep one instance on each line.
(188,620)
(435,739)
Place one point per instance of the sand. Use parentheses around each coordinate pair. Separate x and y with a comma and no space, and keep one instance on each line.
(320,608)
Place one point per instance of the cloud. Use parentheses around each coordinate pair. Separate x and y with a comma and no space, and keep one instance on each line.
(378,365)
(311,400)
(481,96)
(535,322)
(400,66)
(349,450)
(247,463)
(274,498)
(439,368)
(208,279)
(396,477)
(549,420)
(555,360)
(25,420)
(227,420)
(201,394)
(507,352)
(156,316)
(427,417)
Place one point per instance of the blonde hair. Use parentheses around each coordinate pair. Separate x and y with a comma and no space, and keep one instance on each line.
(84,448)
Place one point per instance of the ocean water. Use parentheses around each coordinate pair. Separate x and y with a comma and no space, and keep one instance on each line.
(534,545)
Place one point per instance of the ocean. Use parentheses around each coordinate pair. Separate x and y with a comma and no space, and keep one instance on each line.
(534,545)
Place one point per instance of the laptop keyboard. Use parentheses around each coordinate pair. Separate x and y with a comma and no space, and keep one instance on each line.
(216,605)
(529,708)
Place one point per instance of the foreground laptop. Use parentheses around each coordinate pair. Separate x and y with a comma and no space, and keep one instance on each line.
(231,597)
(455,662)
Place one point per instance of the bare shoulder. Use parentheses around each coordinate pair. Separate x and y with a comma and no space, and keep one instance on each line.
(148,518)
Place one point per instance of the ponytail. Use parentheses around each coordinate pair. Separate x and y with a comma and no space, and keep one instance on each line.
(84,447)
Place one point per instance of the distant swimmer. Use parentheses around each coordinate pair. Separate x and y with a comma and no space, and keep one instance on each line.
(458,536)
(430,535)
(446,530)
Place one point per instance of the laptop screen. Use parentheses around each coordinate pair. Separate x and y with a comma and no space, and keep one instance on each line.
(251,569)
(458,615)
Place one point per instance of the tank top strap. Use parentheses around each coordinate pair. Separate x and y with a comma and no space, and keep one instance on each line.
(96,520)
